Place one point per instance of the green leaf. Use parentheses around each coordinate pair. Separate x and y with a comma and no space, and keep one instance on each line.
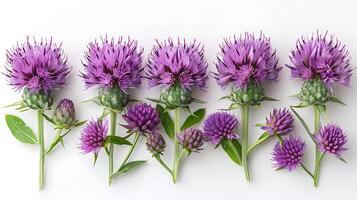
(94,100)
(154,100)
(95,157)
(194,118)
(198,100)
(48,118)
(20,130)
(54,143)
(114,139)
(166,121)
(260,140)
(260,125)
(336,100)
(302,122)
(233,106)
(79,123)
(225,97)
(302,105)
(269,99)
(128,167)
(105,113)
(322,109)
(342,159)
(233,150)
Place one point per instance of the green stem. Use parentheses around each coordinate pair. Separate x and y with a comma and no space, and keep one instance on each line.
(41,142)
(113,119)
(177,118)
(255,145)
(135,141)
(306,170)
(158,158)
(245,123)
(317,122)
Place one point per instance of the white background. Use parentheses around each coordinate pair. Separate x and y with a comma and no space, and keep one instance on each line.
(210,174)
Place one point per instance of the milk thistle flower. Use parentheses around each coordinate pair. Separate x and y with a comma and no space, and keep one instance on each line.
(114,66)
(320,61)
(331,139)
(177,68)
(280,121)
(93,136)
(245,63)
(36,68)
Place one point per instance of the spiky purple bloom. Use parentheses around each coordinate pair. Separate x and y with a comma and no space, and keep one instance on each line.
(93,136)
(113,63)
(289,153)
(142,117)
(321,56)
(64,113)
(246,59)
(191,139)
(219,126)
(280,121)
(177,63)
(331,139)
(37,66)
(155,143)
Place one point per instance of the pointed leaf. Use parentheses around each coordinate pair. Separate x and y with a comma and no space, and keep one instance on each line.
(104,114)
(225,97)
(233,150)
(128,167)
(48,118)
(260,140)
(54,143)
(94,100)
(302,121)
(270,99)
(20,130)
(197,100)
(302,105)
(114,139)
(342,159)
(17,103)
(95,157)
(336,100)
(154,100)
(80,123)
(166,121)
(194,118)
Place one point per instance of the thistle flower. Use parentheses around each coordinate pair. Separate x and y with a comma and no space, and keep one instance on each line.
(142,117)
(288,154)
(155,143)
(191,139)
(331,138)
(280,122)
(246,59)
(180,63)
(321,57)
(219,126)
(64,114)
(94,135)
(38,66)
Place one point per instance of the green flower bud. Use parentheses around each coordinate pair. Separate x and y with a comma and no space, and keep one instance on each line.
(114,98)
(37,100)
(175,97)
(250,95)
(64,115)
(314,92)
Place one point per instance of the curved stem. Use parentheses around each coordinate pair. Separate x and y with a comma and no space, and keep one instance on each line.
(177,117)
(245,123)
(113,119)
(135,141)
(158,158)
(317,122)
(306,170)
(41,142)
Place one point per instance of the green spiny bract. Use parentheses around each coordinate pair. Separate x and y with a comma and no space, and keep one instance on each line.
(175,96)
(37,100)
(113,98)
(250,95)
(314,92)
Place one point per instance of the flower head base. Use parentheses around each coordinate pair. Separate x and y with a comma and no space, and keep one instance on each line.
(180,63)
(38,67)
(142,117)
(280,122)
(321,57)
(251,95)
(93,136)
(331,139)
(64,114)
(37,100)
(246,59)
(315,92)
(113,63)
(289,153)
(175,96)
(155,143)
(191,139)
(220,125)
(113,98)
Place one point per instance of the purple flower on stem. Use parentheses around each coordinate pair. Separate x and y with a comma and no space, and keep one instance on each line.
(220,125)
(142,117)
(94,135)
(321,56)
(37,66)
(191,139)
(64,113)
(155,143)
(246,59)
(111,63)
(331,139)
(180,63)
(289,153)
(280,121)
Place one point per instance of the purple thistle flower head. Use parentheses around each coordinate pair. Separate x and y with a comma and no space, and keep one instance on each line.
(64,114)
(246,59)
(191,139)
(331,139)
(219,126)
(323,57)
(155,143)
(142,117)
(113,63)
(94,135)
(180,63)
(289,153)
(37,66)
(280,121)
